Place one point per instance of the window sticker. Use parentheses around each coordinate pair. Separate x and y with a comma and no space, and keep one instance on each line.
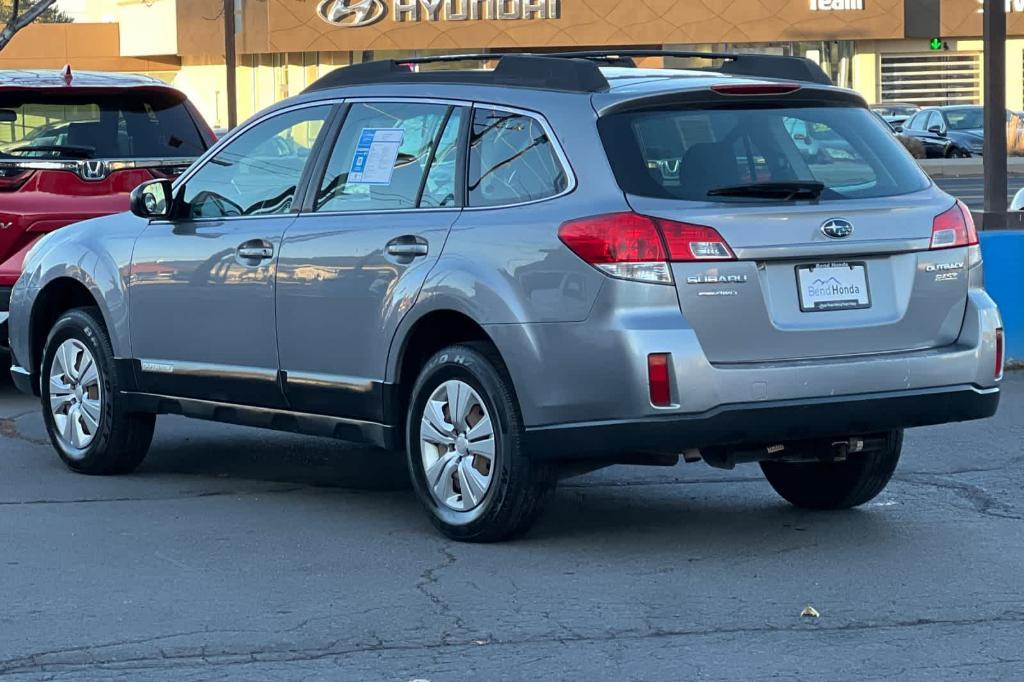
(375,156)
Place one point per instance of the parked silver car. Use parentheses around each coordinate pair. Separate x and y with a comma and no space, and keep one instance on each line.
(527,272)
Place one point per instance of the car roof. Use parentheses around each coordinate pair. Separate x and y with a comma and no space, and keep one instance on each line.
(57,78)
(617,84)
(956,107)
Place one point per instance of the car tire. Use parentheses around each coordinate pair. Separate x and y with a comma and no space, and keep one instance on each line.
(836,485)
(472,413)
(82,408)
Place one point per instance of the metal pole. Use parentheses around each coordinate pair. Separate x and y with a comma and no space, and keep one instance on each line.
(230,62)
(995,114)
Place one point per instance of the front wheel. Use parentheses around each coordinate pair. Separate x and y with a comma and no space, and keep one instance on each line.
(81,403)
(836,485)
(464,441)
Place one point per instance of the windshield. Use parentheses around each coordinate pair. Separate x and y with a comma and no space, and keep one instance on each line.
(90,125)
(966,119)
(690,153)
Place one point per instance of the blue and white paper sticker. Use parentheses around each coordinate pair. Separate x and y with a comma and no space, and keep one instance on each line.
(375,156)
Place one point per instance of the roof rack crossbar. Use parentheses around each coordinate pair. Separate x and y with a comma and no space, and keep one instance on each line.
(573,71)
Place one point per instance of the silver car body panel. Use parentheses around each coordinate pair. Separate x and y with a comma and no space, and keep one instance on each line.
(323,327)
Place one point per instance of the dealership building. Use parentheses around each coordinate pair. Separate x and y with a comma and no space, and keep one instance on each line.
(922,51)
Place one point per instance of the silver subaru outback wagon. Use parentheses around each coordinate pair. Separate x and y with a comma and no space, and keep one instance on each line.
(521,273)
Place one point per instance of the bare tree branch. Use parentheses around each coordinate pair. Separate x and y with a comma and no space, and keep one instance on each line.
(19,21)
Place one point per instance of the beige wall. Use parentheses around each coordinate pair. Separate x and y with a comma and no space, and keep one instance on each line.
(147,27)
(866,64)
(262,80)
(92,47)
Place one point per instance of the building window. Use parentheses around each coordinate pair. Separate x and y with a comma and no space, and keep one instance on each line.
(931,79)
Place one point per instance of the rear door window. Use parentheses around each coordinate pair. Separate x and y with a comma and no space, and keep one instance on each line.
(512,160)
(688,153)
(384,158)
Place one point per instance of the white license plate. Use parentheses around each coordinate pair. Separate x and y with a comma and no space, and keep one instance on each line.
(833,286)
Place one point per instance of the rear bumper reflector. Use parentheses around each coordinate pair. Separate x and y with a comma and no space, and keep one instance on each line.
(658,379)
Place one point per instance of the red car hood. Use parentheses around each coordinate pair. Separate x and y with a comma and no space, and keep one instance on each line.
(52,199)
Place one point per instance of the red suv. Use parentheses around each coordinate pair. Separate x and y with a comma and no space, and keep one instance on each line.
(73,145)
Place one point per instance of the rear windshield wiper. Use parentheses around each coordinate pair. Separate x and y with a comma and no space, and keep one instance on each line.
(784,191)
(73,150)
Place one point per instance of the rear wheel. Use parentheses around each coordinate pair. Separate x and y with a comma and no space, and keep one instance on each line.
(80,396)
(836,485)
(464,438)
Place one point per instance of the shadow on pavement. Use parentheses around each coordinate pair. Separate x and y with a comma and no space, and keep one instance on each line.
(183,446)
(622,507)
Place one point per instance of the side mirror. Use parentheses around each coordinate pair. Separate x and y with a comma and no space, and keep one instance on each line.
(152,199)
(937,130)
(1018,201)
(898,129)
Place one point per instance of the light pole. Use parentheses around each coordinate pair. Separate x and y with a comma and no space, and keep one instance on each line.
(230,62)
(994,164)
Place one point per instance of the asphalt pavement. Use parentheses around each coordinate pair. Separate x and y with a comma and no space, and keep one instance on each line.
(242,554)
(971,189)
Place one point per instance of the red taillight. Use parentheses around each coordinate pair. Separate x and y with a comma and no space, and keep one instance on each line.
(12,178)
(638,247)
(657,377)
(1000,345)
(755,88)
(614,238)
(954,228)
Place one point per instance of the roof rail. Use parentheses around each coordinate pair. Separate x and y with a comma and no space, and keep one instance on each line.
(734,63)
(516,70)
(566,71)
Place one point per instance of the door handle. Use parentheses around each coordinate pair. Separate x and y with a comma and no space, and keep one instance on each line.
(256,250)
(407,247)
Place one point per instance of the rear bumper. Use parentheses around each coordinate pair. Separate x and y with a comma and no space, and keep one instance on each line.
(763,423)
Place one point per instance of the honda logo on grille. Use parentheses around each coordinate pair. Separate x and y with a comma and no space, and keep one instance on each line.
(837,228)
(92,170)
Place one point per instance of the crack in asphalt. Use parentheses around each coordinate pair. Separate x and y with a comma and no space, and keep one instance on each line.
(981,500)
(31,664)
(429,579)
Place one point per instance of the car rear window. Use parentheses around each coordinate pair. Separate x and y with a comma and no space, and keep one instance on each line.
(90,125)
(687,153)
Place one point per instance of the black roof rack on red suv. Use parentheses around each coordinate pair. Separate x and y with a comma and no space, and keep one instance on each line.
(565,71)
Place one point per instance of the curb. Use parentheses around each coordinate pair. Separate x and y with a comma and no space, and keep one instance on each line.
(965,168)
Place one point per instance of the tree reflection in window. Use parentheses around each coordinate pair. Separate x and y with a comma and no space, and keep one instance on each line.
(259,171)
(511,160)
